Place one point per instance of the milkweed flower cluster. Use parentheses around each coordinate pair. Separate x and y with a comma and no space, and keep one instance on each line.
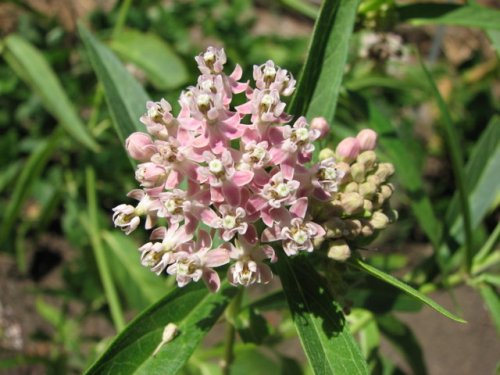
(244,173)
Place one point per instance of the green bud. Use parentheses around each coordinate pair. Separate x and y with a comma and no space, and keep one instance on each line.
(326,153)
(358,172)
(352,203)
(339,250)
(367,190)
(368,159)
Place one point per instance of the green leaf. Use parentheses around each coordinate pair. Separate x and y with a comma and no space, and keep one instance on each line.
(450,14)
(403,339)
(153,55)
(490,296)
(408,175)
(125,96)
(482,181)
(362,266)
(139,285)
(319,320)
(319,85)
(31,67)
(494,36)
(193,309)
(454,148)
(30,171)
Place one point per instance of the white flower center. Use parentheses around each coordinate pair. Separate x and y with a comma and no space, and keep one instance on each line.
(203,100)
(267,100)
(302,134)
(330,174)
(153,112)
(269,72)
(209,57)
(183,267)
(300,237)
(283,190)
(259,152)
(215,166)
(207,85)
(170,205)
(229,222)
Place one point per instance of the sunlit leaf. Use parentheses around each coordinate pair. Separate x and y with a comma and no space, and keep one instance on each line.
(319,320)
(125,96)
(193,309)
(362,266)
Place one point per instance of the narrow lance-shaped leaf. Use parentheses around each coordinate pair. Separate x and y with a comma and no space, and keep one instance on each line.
(482,181)
(407,174)
(32,68)
(362,266)
(320,80)
(125,96)
(153,55)
(450,14)
(454,148)
(192,309)
(319,320)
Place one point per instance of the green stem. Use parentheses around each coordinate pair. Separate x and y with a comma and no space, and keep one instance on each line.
(102,264)
(231,313)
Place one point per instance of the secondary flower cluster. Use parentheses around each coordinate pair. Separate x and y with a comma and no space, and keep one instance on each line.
(241,173)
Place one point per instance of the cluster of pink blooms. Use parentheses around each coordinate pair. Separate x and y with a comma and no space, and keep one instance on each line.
(242,173)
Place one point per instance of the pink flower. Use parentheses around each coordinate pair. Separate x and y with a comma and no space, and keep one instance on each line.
(321,125)
(231,221)
(249,267)
(196,262)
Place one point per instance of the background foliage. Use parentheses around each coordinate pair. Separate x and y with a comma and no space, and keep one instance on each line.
(69,98)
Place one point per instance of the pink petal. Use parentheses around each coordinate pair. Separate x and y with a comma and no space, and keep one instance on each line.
(299,208)
(210,218)
(231,193)
(212,280)
(158,233)
(173,179)
(242,178)
(217,257)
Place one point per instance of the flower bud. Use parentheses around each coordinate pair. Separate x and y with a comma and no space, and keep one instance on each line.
(367,230)
(378,200)
(326,153)
(368,205)
(358,172)
(367,139)
(339,250)
(352,203)
(320,124)
(386,190)
(379,220)
(345,169)
(384,171)
(367,189)
(348,149)
(368,159)
(373,180)
(351,187)
(139,146)
(352,228)
(334,228)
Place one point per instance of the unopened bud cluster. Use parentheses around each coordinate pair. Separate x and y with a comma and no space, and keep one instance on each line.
(360,208)
(246,174)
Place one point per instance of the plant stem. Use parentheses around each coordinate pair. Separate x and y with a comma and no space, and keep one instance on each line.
(231,313)
(102,264)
